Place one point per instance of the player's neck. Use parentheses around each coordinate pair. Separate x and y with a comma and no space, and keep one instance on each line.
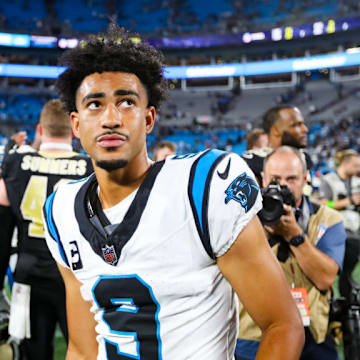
(342,173)
(117,185)
(55,144)
(274,143)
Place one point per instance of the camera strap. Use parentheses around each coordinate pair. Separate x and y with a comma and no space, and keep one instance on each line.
(303,215)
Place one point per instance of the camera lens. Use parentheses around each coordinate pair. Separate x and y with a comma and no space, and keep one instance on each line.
(272,210)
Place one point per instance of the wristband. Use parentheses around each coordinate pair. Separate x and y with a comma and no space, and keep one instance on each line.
(330,204)
(297,240)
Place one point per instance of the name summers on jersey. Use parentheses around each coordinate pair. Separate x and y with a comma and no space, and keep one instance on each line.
(54,166)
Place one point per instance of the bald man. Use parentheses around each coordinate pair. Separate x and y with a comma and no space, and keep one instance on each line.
(309,244)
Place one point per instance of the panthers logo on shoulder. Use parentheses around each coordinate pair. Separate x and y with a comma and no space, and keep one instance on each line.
(244,190)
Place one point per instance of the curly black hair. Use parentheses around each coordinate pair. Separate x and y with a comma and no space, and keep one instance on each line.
(113,51)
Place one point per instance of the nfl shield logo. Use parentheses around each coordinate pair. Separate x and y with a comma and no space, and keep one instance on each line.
(109,254)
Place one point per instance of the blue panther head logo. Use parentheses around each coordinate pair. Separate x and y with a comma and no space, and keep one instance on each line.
(244,190)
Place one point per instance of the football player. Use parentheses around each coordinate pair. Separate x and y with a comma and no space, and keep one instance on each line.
(153,254)
(283,125)
(28,178)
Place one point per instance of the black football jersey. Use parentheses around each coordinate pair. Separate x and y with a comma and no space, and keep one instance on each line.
(30,178)
(255,160)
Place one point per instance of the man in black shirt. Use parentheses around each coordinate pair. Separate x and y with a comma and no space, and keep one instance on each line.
(284,125)
(28,178)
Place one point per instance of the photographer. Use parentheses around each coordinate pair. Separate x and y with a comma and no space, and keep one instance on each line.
(340,190)
(309,242)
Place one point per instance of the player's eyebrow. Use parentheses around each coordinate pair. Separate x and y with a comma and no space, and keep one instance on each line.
(126,92)
(116,93)
(93,96)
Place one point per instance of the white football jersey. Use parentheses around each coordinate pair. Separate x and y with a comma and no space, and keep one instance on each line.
(152,277)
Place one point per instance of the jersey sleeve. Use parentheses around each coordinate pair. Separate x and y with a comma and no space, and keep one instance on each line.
(6,166)
(224,196)
(332,242)
(52,236)
(233,202)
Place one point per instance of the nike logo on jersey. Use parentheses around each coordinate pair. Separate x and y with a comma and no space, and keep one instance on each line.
(224,175)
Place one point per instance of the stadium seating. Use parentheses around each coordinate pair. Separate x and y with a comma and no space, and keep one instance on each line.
(227,130)
(85,16)
(163,16)
(23,15)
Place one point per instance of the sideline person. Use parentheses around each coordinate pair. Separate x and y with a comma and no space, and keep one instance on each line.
(309,242)
(38,296)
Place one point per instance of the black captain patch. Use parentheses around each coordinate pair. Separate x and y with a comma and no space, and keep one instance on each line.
(244,190)
(76,262)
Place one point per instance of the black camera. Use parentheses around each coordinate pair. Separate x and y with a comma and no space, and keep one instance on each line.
(274,198)
(347,311)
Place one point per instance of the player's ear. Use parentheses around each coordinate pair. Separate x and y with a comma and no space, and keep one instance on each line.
(262,177)
(74,117)
(150,118)
(39,129)
(277,130)
(307,176)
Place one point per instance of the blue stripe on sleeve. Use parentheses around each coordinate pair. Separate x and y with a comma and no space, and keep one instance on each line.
(332,243)
(202,170)
(52,227)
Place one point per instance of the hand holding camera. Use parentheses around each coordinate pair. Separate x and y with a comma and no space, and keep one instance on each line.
(278,213)
(287,226)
